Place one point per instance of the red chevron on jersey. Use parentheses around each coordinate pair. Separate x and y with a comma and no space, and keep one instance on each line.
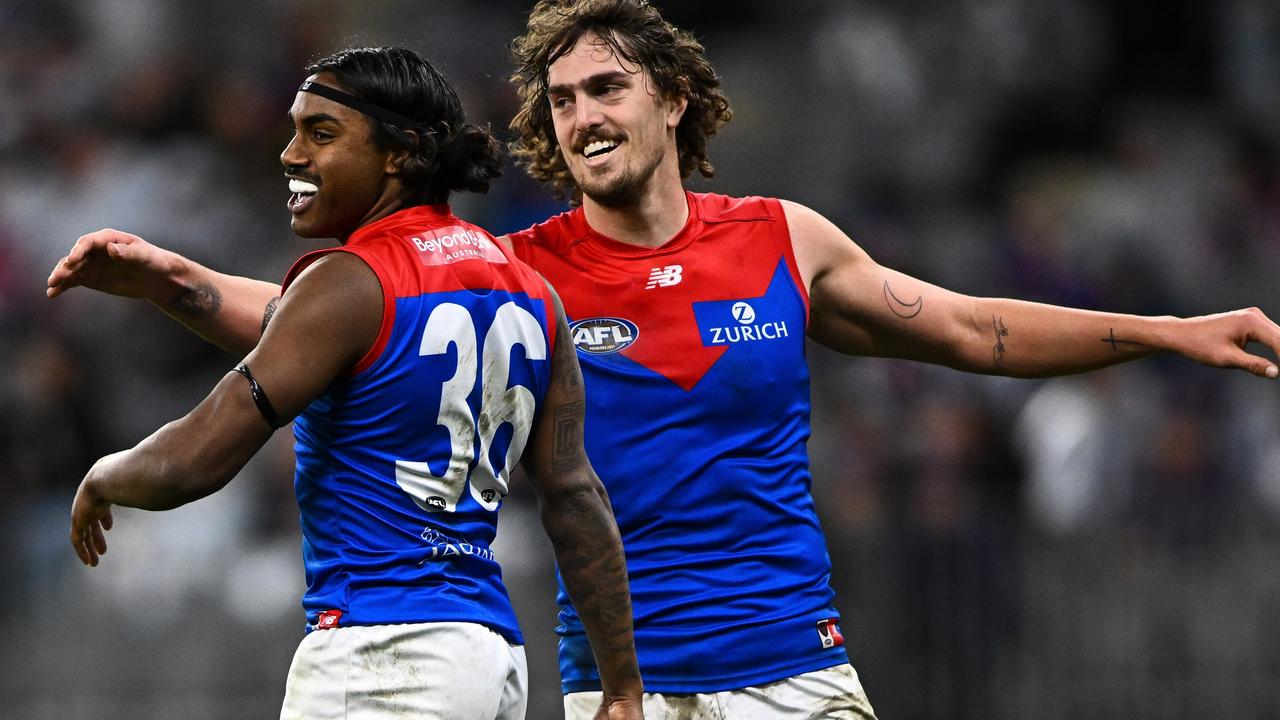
(659,290)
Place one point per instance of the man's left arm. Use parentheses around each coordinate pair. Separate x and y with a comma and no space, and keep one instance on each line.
(329,318)
(862,308)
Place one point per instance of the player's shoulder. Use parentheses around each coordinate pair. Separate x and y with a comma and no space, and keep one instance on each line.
(332,284)
(803,221)
(715,208)
(554,233)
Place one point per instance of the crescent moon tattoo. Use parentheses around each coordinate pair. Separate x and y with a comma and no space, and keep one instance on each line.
(905,310)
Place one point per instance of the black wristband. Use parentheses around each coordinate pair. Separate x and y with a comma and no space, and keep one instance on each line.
(260,399)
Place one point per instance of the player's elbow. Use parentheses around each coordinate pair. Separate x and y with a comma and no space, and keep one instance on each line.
(579,522)
(194,484)
(191,466)
(576,498)
(187,479)
(574,493)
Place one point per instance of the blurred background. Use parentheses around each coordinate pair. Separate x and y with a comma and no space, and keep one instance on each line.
(1100,546)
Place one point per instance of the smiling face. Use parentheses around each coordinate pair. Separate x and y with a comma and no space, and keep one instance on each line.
(615,130)
(338,178)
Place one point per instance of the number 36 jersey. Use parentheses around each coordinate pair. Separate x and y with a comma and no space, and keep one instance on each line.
(402,463)
(697,416)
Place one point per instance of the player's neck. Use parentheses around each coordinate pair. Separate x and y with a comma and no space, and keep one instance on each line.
(651,221)
(392,199)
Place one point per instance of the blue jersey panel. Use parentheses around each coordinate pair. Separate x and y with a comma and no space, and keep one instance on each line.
(728,565)
(398,487)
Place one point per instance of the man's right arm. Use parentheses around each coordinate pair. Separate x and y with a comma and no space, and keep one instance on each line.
(228,311)
(579,520)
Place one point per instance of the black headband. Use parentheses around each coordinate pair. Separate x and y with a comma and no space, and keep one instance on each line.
(359,104)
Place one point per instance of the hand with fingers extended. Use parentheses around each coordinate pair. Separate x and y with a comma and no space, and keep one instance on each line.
(90,519)
(113,262)
(1220,340)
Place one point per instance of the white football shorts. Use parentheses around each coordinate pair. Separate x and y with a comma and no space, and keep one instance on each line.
(439,670)
(831,694)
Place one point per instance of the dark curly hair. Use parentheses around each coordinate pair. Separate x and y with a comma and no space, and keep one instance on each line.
(445,153)
(636,31)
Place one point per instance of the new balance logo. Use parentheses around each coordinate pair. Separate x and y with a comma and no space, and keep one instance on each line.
(664,276)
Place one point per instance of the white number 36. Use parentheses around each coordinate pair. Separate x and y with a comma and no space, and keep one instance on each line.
(451,323)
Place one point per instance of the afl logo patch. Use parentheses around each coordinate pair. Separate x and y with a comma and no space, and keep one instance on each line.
(602,336)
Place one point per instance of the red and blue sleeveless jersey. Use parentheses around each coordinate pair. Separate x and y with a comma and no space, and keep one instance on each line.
(402,463)
(698,413)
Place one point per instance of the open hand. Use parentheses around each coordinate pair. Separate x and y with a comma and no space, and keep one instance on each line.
(113,262)
(1220,340)
(90,519)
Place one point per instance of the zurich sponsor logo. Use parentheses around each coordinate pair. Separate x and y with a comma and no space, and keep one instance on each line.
(602,336)
(746,325)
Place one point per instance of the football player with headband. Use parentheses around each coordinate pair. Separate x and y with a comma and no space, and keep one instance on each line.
(419,361)
(700,304)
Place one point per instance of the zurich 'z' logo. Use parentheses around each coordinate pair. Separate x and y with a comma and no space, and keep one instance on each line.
(601,336)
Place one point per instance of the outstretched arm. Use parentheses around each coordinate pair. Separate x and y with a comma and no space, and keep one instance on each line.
(862,308)
(327,321)
(579,520)
(228,311)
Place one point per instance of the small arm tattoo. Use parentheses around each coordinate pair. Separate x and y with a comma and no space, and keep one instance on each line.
(1116,342)
(201,300)
(566,444)
(905,310)
(997,351)
(270,310)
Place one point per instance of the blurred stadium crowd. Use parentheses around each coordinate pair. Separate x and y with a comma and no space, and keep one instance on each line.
(1098,546)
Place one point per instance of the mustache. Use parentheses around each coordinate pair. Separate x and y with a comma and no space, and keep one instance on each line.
(290,175)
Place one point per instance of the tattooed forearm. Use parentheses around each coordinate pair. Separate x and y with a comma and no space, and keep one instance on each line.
(571,373)
(566,443)
(200,300)
(1116,342)
(997,351)
(594,570)
(271,310)
(906,310)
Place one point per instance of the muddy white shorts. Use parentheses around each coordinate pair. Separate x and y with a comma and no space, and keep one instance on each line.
(831,694)
(442,671)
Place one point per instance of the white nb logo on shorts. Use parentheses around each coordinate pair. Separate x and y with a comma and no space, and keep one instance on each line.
(664,276)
